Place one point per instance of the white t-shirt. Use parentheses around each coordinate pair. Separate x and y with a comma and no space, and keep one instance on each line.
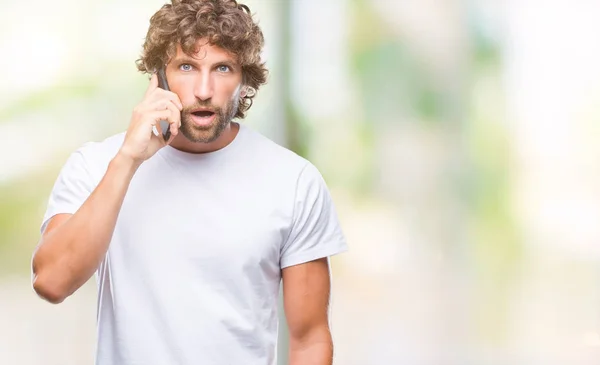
(193,270)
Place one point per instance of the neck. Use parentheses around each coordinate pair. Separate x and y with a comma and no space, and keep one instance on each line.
(227,136)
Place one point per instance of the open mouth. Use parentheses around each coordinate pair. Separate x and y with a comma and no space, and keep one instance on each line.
(203,118)
(203,113)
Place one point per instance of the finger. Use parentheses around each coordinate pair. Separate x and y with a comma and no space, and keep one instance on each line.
(170,116)
(158,116)
(160,95)
(175,99)
(159,105)
(176,116)
(171,138)
(153,85)
(162,104)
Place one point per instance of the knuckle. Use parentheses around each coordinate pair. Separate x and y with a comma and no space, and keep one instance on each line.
(175,97)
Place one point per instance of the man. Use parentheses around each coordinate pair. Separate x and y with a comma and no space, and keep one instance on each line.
(190,238)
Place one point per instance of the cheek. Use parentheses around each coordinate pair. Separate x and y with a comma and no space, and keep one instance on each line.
(236,93)
(228,92)
(184,90)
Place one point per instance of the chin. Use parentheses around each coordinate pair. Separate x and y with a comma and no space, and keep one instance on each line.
(203,135)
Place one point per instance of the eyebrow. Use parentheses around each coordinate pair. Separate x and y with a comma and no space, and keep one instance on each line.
(192,61)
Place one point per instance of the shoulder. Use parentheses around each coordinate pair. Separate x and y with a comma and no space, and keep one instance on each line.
(281,164)
(272,155)
(96,155)
(109,145)
(94,150)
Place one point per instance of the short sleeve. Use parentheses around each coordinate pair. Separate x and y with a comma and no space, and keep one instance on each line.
(71,188)
(315,231)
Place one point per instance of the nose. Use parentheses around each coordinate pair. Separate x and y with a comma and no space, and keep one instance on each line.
(204,88)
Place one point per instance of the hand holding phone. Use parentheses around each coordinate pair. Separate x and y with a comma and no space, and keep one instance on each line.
(162,83)
(158,106)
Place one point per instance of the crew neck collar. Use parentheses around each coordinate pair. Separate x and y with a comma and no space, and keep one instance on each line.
(229,148)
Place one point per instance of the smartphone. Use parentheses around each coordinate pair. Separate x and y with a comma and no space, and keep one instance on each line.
(162,83)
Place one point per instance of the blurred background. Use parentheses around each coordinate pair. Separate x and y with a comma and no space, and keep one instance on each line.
(459,140)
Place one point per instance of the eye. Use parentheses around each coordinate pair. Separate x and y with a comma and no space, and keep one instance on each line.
(223,68)
(185,67)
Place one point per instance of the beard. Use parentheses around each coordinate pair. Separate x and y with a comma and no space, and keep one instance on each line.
(211,132)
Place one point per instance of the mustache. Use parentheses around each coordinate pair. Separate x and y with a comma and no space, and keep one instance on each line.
(201,104)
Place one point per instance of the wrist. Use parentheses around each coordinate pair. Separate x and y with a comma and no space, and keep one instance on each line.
(125,162)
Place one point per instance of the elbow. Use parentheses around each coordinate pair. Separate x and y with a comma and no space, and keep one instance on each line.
(308,336)
(48,289)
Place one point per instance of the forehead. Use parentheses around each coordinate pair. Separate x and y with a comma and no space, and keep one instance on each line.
(204,51)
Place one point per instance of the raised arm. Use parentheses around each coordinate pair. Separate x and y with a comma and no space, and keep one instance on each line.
(73,245)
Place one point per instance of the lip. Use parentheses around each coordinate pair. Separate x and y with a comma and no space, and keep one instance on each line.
(202,110)
(203,121)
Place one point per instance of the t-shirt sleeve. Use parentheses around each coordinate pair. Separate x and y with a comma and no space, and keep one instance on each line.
(315,231)
(71,188)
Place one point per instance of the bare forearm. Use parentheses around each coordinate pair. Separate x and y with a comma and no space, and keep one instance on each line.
(316,349)
(68,256)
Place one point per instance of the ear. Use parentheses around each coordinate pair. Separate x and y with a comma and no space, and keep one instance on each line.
(244,91)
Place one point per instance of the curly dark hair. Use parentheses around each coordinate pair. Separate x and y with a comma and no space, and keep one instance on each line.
(224,23)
